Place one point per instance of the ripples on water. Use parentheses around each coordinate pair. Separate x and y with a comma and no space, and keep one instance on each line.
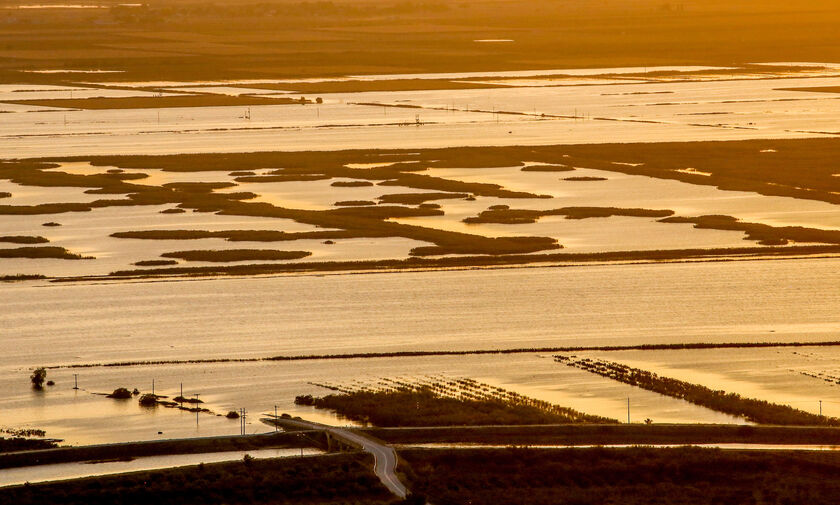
(316,314)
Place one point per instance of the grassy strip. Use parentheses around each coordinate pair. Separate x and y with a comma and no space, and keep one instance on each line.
(547,168)
(758,411)
(158,102)
(354,203)
(21,277)
(633,476)
(763,233)
(484,261)
(503,214)
(351,184)
(150,448)
(237,255)
(814,89)
(23,239)
(412,354)
(322,480)
(357,86)
(235,235)
(24,444)
(584,179)
(154,263)
(422,407)
(40,253)
(611,434)
(418,198)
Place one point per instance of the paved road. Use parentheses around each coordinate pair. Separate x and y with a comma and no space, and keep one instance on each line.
(384,457)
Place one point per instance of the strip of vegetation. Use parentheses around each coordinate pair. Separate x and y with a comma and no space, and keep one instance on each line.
(632,476)
(359,86)
(610,434)
(154,263)
(757,411)
(763,233)
(480,261)
(412,354)
(503,214)
(21,277)
(351,184)
(423,407)
(158,102)
(322,480)
(814,89)
(235,235)
(24,444)
(354,203)
(584,179)
(41,253)
(150,448)
(23,239)
(281,178)
(547,168)
(419,198)
(224,255)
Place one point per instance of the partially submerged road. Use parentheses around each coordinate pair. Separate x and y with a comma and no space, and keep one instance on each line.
(384,456)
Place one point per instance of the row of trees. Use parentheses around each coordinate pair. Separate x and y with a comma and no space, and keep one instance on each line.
(757,411)
(424,408)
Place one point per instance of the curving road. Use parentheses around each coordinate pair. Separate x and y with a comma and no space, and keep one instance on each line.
(384,456)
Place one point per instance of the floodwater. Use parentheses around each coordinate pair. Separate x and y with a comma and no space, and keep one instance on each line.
(64,471)
(758,300)
(89,233)
(42,324)
(722,109)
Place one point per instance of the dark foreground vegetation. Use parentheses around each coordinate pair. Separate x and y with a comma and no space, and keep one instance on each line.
(634,476)
(757,411)
(424,408)
(334,479)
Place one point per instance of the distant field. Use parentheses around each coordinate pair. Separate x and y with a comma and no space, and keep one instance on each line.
(190,40)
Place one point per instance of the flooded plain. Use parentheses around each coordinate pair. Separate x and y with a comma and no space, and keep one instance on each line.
(782,301)
(726,107)
(96,322)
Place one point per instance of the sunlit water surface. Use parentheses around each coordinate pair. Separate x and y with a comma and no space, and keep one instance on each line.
(47,324)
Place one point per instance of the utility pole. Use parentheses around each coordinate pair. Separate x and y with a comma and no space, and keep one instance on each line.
(196,408)
(153,386)
(276,427)
(820,408)
(181,401)
(628,410)
(75,381)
